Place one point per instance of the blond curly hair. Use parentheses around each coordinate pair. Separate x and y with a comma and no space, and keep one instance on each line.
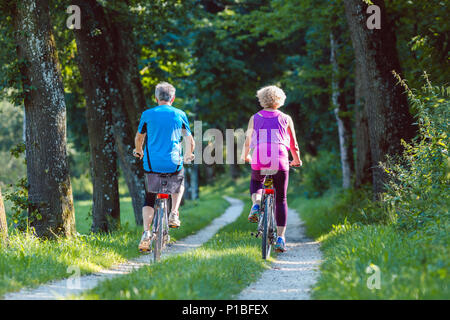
(271,96)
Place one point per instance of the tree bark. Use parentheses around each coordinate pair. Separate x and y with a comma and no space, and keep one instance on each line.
(97,74)
(3,224)
(194,182)
(388,115)
(50,191)
(363,164)
(342,118)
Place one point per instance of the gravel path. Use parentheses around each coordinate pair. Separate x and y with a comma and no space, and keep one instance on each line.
(62,288)
(293,272)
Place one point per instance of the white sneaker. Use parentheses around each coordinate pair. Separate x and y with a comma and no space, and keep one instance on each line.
(174,220)
(145,243)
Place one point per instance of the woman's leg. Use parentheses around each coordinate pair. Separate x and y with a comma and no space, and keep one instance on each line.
(280,182)
(256,186)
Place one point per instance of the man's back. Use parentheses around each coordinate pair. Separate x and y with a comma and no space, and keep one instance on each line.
(164,126)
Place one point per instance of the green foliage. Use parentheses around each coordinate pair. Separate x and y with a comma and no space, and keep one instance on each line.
(420,181)
(423,38)
(12,164)
(319,174)
(20,204)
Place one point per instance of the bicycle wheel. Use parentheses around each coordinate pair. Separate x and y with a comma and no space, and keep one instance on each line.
(159,228)
(266,243)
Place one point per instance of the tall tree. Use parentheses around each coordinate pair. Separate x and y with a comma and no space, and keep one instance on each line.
(50,192)
(97,73)
(3,224)
(388,115)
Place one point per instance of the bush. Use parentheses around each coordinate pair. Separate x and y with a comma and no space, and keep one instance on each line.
(417,194)
(320,173)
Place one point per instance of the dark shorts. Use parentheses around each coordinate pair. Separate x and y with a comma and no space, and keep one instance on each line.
(154,184)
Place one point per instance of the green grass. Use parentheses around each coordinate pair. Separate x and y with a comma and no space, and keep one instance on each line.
(411,265)
(83,216)
(219,269)
(29,261)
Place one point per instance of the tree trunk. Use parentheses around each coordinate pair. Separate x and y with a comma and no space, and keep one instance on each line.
(388,115)
(97,74)
(50,191)
(342,119)
(187,185)
(363,165)
(3,224)
(194,182)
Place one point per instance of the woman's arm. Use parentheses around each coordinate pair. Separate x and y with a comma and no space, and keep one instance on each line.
(245,156)
(295,151)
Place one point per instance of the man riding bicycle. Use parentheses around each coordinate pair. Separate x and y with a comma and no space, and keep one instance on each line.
(158,143)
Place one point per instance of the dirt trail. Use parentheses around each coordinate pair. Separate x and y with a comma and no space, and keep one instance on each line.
(293,272)
(62,288)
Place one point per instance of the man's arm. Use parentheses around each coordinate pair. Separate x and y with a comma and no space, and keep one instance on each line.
(139,144)
(190,147)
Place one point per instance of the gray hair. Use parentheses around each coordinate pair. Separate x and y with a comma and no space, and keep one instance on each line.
(164,91)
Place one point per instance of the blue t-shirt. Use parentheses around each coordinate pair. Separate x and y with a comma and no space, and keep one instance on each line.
(164,126)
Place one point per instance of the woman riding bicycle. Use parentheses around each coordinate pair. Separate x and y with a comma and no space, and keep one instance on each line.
(270,135)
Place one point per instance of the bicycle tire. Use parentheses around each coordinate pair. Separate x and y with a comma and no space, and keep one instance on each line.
(266,243)
(159,239)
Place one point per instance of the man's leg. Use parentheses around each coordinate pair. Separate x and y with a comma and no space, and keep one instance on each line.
(174,217)
(147,217)
(176,199)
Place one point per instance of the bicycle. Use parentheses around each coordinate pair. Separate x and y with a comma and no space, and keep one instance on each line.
(266,224)
(160,234)
(160,228)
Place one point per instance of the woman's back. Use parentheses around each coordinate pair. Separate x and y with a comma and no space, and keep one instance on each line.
(270,140)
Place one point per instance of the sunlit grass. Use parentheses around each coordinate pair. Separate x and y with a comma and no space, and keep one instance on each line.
(411,266)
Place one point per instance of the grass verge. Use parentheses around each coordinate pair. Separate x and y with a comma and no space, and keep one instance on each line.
(368,260)
(29,261)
